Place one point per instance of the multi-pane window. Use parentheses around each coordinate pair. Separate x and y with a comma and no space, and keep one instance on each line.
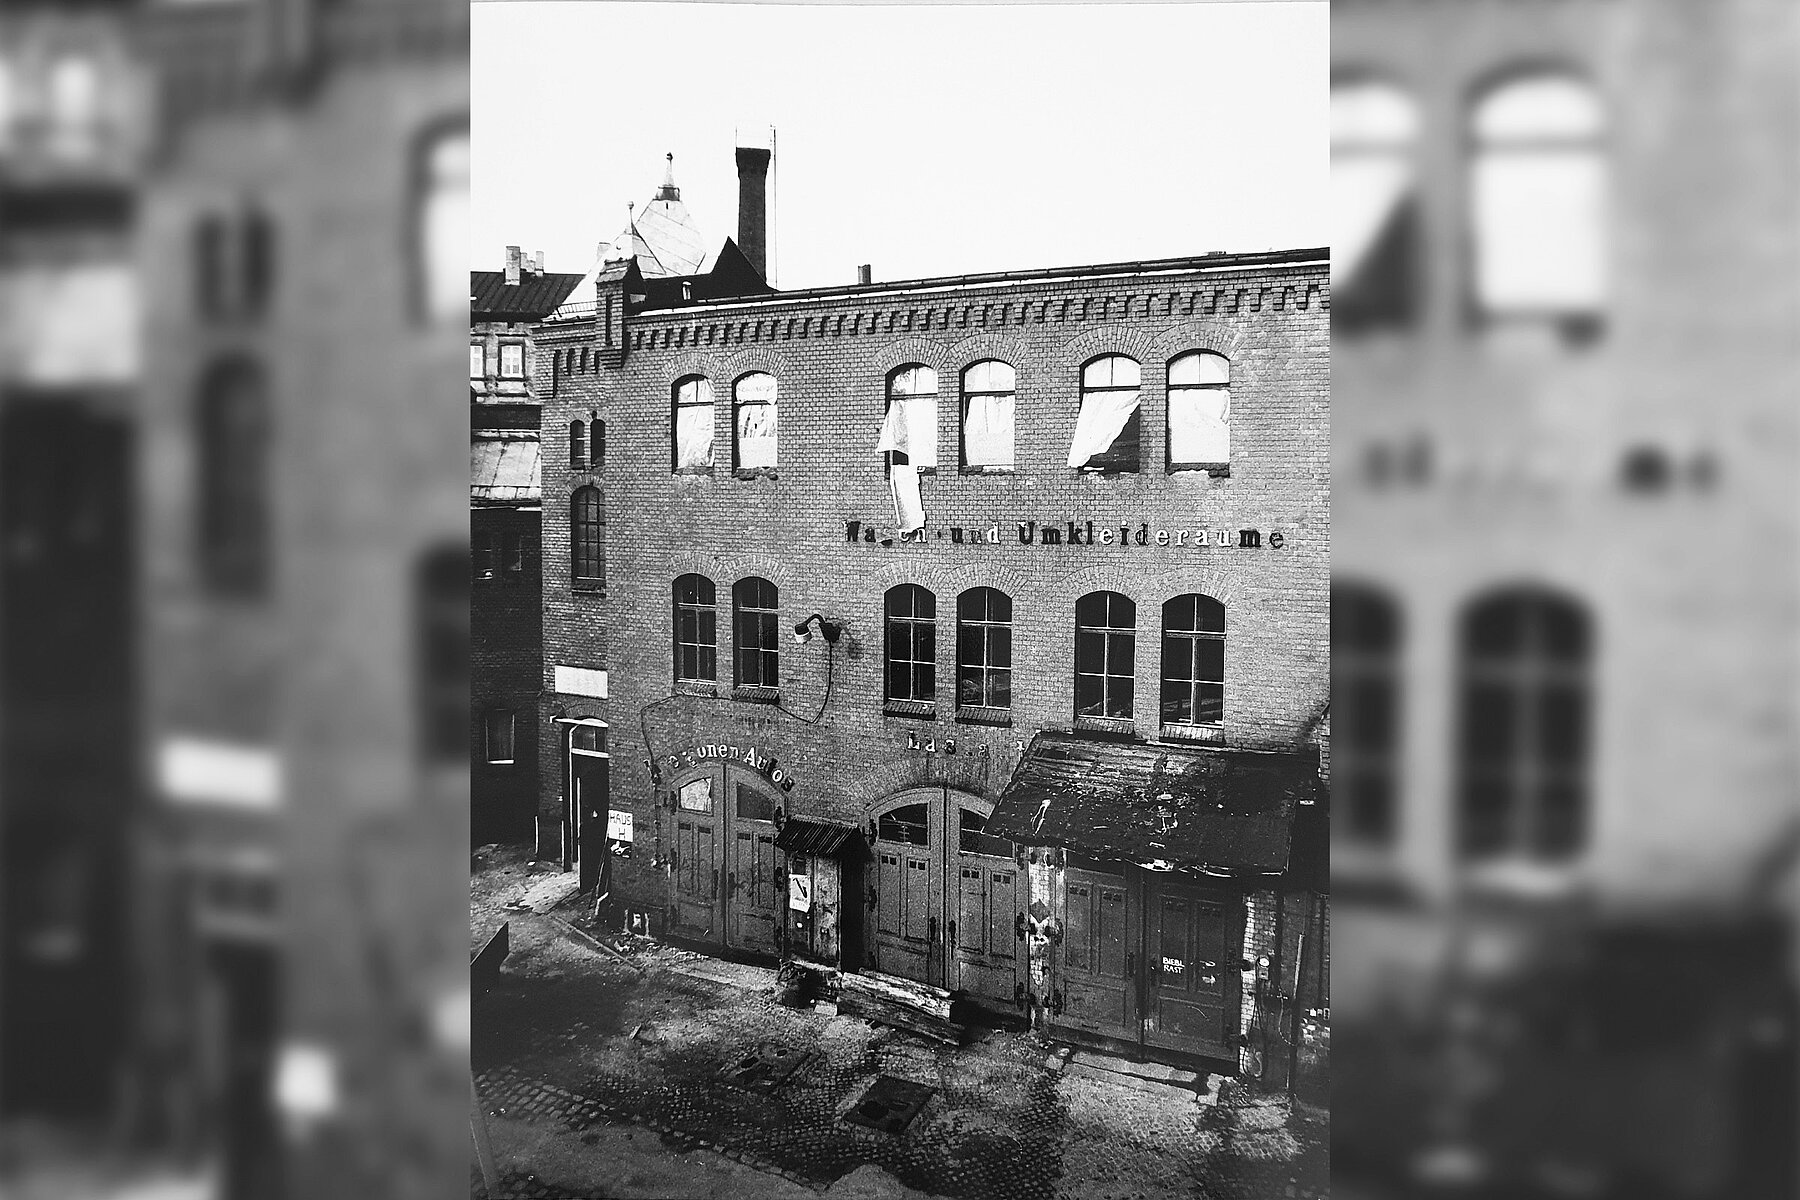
(972,836)
(442,226)
(1537,192)
(753,402)
(232,428)
(913,391)
(1105,655)
(587,536)
(693,448)
(984,649)
(477,362)
(696,630)
(1108,428)
(1199,411)
(911,644)
(1523,738)
(512,360)
(1374,210)
(988,406)
(757,632)
(1193,661)
(1365,692)
(578,455)
(497,735)
(910,825)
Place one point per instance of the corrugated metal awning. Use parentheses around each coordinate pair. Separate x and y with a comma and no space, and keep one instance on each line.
(1212,811)
(505,468)
(800,836)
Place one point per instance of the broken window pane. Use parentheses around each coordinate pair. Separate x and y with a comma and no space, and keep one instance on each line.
(756,421)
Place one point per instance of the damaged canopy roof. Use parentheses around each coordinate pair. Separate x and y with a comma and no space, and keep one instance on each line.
(1218,812)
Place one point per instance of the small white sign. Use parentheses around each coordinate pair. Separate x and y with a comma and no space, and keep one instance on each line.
(1173,966)
(618,825)
(581,681)
(800,893)
(201,771)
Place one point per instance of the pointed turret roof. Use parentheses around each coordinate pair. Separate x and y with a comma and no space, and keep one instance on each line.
(663,236)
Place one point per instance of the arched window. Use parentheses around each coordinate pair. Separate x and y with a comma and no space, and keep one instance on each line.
(1365,702)
(1108,429)
(911,613)
(441,655)
(988,407)
(983,650)
(232,490)
(909,434)
(597,445)
(696,630)
(753,402)
(75,105)
(1200,412)
(234,264)
(1523,732)
(1374,208)
(1105,655)
(757,633)
(578,456)
(1537,191)
(693,424)
(1193,663)
(587,537)
(442,225)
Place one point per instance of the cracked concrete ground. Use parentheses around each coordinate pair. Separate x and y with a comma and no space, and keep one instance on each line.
(599,1081)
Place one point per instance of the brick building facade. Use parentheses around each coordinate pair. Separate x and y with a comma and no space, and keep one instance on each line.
(792,784)
(505,618)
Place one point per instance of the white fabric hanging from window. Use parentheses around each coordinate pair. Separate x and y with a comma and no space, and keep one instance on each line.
(988,432)
(1103,418)
(903,478)
(693,435)
(1199,425)
(756,435)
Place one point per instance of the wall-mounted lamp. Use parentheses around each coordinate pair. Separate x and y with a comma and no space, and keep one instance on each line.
(803,635)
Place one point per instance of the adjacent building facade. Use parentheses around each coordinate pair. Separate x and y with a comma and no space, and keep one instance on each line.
(973,629)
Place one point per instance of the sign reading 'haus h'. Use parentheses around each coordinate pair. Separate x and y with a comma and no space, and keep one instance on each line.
(1074,533)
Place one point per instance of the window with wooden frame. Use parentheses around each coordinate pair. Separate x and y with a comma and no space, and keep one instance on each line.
(1523,730)
(984,654)
(756,630)
(498,726)
(1365,688)
(911,616)
(696,630)
(1105,657)
(1193,663)
(587,537)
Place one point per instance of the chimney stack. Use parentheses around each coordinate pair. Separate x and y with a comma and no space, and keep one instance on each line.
(753,206)
(537,263)
(865,274)
(513,260)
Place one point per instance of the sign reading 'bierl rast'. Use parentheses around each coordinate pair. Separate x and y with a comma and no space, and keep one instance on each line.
(1073,533)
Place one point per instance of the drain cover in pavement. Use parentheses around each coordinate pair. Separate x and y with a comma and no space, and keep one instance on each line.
(890,1104)
(766,1067)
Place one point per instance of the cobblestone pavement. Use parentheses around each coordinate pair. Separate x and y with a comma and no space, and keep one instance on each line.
(571,1040)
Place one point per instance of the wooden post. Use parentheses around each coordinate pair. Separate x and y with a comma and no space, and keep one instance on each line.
(484,1149)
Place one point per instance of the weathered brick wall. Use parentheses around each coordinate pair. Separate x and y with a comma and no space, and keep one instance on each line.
(831,357)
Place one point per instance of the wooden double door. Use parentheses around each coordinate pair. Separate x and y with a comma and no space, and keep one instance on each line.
(949,899)
(1149,960)
(728,883)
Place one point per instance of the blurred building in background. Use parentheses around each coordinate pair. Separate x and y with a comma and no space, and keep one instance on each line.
(236,591)
(506,380)
(72,131)
(1564,594)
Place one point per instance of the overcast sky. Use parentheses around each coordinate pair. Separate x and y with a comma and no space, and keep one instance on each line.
(925,140)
